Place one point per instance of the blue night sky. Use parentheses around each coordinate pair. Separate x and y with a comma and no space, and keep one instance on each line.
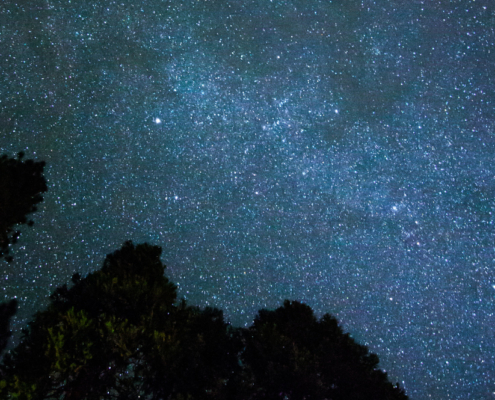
(334,152)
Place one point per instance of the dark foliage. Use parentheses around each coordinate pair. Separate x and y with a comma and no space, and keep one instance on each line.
(293,355)
(7,311)
(21,185)
(119,334)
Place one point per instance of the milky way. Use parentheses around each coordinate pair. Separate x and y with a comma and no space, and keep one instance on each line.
(334,152)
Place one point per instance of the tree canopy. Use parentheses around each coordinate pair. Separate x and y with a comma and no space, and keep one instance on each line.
(293,355)
(7,311)
(21,185)
(120,333)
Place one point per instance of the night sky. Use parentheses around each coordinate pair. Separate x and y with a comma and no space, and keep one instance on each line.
(334,152)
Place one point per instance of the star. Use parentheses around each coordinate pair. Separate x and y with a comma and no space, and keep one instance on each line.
(332,116)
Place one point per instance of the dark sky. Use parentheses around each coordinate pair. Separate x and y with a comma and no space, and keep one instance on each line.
(334,152)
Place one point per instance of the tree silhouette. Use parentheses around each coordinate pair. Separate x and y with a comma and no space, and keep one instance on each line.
(292,355)
(120,334)
(21,185)
(7,311)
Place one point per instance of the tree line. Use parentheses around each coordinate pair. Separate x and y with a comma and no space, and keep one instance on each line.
(121,333)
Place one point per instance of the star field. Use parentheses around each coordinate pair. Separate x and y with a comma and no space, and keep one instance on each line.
(334,152)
